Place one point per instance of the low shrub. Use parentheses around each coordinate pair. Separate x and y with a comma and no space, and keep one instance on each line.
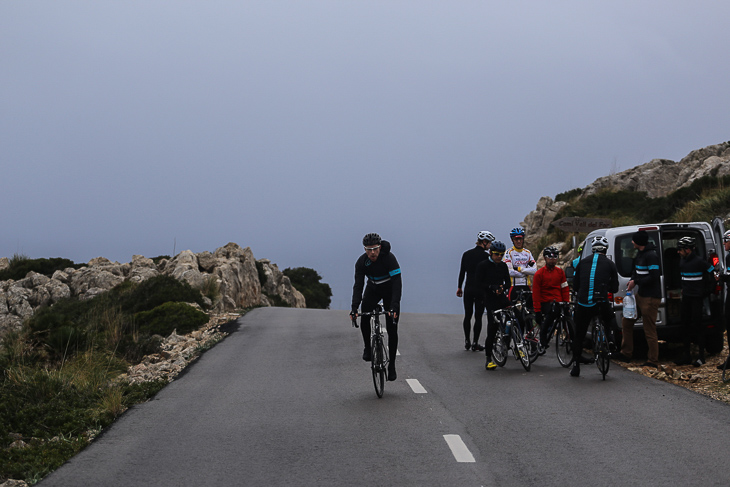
(168,317)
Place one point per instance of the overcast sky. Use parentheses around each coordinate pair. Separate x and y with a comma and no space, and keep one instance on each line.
(295,127)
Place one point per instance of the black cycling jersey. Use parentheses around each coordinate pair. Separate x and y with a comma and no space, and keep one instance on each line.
(383,275)
(469,261)
(595,277)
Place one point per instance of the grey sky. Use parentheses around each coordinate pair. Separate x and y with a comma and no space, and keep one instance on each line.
(297,127)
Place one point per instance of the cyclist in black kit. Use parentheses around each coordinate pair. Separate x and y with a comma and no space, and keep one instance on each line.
(472,293)
(381,268)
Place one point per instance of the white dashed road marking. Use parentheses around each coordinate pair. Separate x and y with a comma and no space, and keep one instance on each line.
(416,386)
(459,449)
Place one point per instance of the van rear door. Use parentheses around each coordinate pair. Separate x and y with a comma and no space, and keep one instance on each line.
(718,230)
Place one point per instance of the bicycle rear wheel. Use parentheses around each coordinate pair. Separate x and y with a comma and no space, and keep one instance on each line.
(600,349)
(520,348)
(563,342)
(378,366)
(499,349)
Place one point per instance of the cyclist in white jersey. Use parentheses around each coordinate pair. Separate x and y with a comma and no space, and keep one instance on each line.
(520,262)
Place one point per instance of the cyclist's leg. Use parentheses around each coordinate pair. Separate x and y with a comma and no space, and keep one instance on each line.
(468,313)
(478,313)
(582,318)
(548,318)
(491,332)
(369,301)
(391,326)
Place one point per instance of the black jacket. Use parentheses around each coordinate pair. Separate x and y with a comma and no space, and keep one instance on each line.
(595,277)
(489,277)
(694,271)
(646,272)
(383,274)
(469,262)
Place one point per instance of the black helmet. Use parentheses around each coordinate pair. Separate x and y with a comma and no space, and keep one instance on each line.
(498,246)
(371,239)
(551,252)
(686,243)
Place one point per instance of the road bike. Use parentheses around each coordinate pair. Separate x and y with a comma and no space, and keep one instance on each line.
(509,336)
(526,317)
(378,349)
(601,350)
(562,327)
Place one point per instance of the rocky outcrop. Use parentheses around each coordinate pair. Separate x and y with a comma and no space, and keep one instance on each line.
(657,178)
(231,268)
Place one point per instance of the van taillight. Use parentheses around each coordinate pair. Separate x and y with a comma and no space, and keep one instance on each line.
(714,259)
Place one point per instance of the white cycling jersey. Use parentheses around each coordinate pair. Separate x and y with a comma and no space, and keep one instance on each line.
(521,266)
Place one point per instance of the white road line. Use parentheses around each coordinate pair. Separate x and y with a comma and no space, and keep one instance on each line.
(416,386)
(459,449)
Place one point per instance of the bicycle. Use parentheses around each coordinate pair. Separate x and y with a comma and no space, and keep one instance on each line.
(531,336)
(601,351)
(562,327)
(378,347)
(509,336)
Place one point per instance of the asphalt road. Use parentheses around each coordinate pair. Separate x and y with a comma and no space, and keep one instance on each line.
(287,400)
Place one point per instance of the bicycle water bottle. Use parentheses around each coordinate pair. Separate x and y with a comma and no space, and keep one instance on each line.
(507,327)
(629,306)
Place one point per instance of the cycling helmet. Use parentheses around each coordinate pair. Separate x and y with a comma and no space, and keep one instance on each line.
(686,243)
(484,235)
(517,232)
(599,244)
(726,236)
(550,252)
(498,246)
(371,239)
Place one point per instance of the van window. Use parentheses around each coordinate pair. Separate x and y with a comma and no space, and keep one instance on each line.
(625,252)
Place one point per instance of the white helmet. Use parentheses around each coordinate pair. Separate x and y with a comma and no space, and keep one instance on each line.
(485,235)
(726,236)
(599,244)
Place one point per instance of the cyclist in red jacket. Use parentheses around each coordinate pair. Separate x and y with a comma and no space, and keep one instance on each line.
(549,286)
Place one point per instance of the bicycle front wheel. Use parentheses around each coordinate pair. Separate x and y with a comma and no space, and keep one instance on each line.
(499,349)
(532,344)
(520,348)
(563,342)
(378,366)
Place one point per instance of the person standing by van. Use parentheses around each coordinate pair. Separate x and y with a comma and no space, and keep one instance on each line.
(473,297)
(726,278)
(647,277)
(693,271)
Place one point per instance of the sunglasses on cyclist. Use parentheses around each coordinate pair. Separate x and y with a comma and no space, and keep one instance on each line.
(496,254)
(371,249)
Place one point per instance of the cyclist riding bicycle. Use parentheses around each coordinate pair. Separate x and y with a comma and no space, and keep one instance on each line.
(492,275)
(384,283)
(520,263)
(473,299)
(595,277)
(549,287)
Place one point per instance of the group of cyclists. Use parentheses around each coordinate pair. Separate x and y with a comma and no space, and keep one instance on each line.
(494,277)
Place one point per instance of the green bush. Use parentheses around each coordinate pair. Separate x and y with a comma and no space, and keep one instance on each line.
(307,281)
(21,265)
(168,317)
(155,291)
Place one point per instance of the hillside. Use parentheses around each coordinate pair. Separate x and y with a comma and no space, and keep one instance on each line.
(697,188)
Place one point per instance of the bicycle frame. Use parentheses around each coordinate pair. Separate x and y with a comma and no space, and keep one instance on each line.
(379,349)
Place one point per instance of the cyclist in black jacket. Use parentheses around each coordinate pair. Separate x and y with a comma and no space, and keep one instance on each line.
(382,270)
(647,276)
(595,277)
(694,272)
(473,299)
(493,278)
